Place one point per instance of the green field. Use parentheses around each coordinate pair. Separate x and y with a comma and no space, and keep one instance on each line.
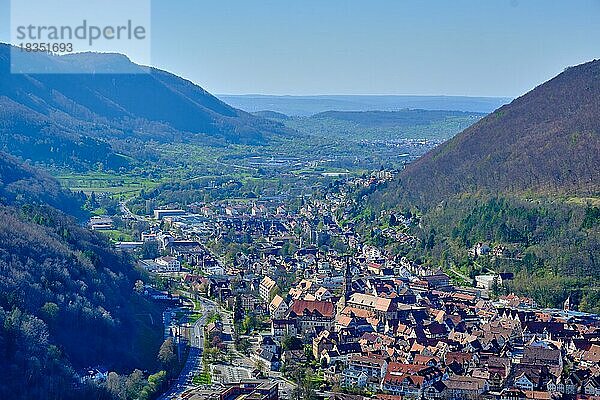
(117,236)
(121,186)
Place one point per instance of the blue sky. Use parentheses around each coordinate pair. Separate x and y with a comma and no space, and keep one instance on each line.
(431,47)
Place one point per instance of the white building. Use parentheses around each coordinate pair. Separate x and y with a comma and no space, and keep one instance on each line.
(352,378)
(213,269)
(267,288)
(278,307)
(371,252)
(160,214)
(168,264)
(487,281)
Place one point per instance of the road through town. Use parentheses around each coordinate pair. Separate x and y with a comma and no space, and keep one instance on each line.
(193,364)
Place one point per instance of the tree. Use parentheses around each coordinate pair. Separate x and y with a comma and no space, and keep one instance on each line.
(150,250)
(243,345)
(212,354)
(167,356)
(288,249)
(139,286)
(275,292)
(50,311)
(115,386)
(238,312)
(260,366)
(305,384)
(134,384)
(291,343)
(155,382)
(249,323)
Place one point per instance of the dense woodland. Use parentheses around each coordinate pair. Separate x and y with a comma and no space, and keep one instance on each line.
(547,141)
(81,120)
(552,246)
(66,298)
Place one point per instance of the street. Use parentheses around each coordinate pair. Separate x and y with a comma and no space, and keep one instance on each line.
(193,364)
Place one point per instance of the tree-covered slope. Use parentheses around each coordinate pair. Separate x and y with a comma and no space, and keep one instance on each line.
(525,178)
(545,141)
(21,184)
(66,299)
(82,119)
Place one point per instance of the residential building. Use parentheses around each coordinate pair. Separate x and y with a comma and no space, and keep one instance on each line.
(312,316)
(267,289)
(168,264)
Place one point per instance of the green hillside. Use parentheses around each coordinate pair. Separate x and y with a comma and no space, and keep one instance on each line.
(66,298)
(525,177)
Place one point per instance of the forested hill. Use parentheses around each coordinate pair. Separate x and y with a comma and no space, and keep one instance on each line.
(526,179)
(399,118)
(380,126)
(547,141)
(66,299)
(21,184)
(82,119)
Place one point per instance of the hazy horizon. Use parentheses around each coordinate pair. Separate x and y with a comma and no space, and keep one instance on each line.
(294,105)
(500,48)
(357,95)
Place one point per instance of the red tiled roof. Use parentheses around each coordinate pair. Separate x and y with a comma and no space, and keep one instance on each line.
(399,368)
(459,357)
(398,379)
(325,308)
(420,359)
(593,354)
(372,360)
(388,397)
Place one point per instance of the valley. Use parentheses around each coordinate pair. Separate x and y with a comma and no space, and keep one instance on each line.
(160,243)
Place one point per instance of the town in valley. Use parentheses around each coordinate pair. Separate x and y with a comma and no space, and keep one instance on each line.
(274,299)
(300,200)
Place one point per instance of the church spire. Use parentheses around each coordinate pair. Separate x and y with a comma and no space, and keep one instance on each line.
(346,287)
(347,280)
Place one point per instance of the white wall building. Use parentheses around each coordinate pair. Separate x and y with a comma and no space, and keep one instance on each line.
(168,264)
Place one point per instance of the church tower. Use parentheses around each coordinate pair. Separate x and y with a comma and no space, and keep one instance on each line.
(346,287)
(347,280)
(568,304)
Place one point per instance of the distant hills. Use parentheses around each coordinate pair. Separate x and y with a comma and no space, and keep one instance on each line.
(547,141)
(380,126)
(78,120)
(400,118)
(310,105)
(272,115)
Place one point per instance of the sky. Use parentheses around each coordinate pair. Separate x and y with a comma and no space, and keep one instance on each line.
(420,47)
